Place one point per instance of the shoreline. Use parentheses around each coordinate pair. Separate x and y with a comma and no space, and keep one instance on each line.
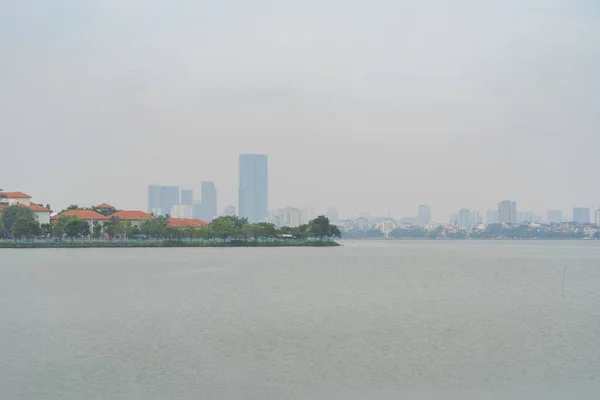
(157,244)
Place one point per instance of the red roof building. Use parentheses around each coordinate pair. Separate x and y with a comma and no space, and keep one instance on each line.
(88,215)
(129,215)
(186,222)
(105,206)
(15,195)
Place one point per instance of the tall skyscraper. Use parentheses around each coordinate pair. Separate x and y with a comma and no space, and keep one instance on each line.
(581,215)
(207,210)
(424,215)
(555,216)
(254,187)
(491,217)
(507,212)
(162,198)
(464,217)
(187,197)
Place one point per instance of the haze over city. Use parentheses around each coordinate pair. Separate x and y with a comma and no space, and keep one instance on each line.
(374,107)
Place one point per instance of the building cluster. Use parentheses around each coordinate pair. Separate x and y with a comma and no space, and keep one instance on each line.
(467,221)
(253,195)
(96,215)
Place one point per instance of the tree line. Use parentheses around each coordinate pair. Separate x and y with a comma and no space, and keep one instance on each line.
(20,222)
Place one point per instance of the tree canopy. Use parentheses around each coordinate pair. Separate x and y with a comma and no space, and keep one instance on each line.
(11,214)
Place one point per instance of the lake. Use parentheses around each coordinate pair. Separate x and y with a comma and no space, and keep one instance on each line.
(368,320)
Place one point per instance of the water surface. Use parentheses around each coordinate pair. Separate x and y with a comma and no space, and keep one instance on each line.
(369,320)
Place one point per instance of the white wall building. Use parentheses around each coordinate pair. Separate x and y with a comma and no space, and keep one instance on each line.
(182,211)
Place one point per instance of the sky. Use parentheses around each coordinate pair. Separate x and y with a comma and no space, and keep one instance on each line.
(372,106)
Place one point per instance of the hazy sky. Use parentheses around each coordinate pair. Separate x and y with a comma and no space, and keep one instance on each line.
(372,106)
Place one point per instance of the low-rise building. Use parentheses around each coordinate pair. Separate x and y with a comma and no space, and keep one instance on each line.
(135,217)
(186,223)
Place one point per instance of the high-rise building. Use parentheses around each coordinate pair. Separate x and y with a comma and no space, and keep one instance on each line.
(332,214)
(182,211)
(229,210)
(581,215)
(555,216)
(491,217)
(424,215)
(476,218)
(597,217)
(291,217)
(207,210)
(187,197)
(464,217)
(507,212)
(253,187)
(162,198)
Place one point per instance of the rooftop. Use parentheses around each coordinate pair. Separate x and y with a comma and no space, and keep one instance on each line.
(81,214)
(105,206)
(186,222)
(128,215)
(15,195)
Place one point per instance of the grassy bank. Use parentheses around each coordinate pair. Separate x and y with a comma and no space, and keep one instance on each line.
(165,243)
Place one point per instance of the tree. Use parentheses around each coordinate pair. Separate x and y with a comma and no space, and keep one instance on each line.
(59,227)
(46,229)
(24,227)
(77,227)
(11,213)
(239,222)
(321,228)
(97,231)
(223,228)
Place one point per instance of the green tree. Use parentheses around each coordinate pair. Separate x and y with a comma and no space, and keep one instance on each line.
(239,222)
(11,213)
(223,227)
(77,227)
(59,228)
(97,231)
(321,228)
(46,229)
(24,227)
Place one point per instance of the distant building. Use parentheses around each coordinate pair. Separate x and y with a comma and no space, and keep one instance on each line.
(491,217)
(476,218)
(387,225)
(182,211)
(597,217)
(230,210)
(424,215)
(253,187)
(162,198)
(187,197)
(291,217)
(332,214)
(207,209)
(507,212)
(464,217)
(555,216)
(409,220)
(581,215)
(362,222)
(453,219)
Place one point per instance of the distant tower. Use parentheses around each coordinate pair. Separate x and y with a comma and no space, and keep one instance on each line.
(253,187)
(207,209)
(424,215)
(187,197)
(507,212)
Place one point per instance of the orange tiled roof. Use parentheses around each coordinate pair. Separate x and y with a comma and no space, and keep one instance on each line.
(105,205)
(81,214)
(38,208)
(131,215)
(33,207)
(186,222)
(15,195)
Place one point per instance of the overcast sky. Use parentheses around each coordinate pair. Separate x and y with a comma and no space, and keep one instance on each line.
(374,106)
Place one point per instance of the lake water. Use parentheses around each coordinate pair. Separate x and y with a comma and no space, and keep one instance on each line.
(369,320)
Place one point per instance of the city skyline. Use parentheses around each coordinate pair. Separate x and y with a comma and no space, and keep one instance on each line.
(355,108)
